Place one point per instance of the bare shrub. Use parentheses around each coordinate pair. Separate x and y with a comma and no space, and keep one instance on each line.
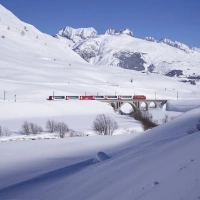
(145,118)
(6,132)
(31,128)
(72,133)
(166,119)
(104,125)
(25,128)
(62,129)
(51,125)
(3,36)
(34,128)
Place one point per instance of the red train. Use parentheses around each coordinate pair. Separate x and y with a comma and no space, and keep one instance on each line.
(103,97)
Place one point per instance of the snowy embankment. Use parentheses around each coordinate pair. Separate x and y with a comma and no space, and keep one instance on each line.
(162,163)
(182,105)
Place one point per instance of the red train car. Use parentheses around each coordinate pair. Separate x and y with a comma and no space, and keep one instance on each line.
(139,97)
(87,97)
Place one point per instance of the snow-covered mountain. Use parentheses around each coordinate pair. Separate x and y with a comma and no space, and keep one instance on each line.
(175,44)
(132,53)
(117,48)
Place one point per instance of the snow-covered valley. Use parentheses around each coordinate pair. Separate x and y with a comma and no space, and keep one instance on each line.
(161,163)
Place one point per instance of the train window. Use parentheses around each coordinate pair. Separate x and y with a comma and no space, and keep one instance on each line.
(99,96)
(59,97)
(126,96)
(112,96)
(73,97)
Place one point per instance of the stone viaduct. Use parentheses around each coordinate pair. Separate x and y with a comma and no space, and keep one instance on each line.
(135,103)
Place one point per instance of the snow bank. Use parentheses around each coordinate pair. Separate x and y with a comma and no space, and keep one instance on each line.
(182,105)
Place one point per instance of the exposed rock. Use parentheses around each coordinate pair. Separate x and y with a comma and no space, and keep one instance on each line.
(130,60)
(174,72)
(151,39)
(151,68)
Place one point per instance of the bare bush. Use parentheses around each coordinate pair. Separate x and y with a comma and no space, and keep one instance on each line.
(3,36)
(6,132)
(166,119)
(31,128)
(25,128)
(62,129)
(51,125)
(104,125)
(34,128)
(145,118)
(72,133)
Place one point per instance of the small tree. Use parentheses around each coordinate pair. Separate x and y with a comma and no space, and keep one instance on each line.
(62,129)
(104,125)
(25,128)
(31,128)
(6,131)
(34,128)
(51,125)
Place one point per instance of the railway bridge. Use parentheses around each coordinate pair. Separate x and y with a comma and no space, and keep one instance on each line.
(135,103)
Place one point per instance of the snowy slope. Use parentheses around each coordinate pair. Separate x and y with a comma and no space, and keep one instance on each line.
(34,65)
(160,164)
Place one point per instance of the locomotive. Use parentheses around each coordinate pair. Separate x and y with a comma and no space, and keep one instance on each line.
(93,97)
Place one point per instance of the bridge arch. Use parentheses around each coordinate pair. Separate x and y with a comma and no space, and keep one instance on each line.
(153,104)
(131,104)
(146,105)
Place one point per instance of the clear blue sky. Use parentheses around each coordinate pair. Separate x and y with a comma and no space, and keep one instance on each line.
(174,19)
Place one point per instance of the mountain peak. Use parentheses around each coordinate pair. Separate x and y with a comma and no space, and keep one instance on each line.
(112,31)
(127,32)
(77,35)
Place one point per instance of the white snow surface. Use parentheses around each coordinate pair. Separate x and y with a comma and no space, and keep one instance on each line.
(162,163)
